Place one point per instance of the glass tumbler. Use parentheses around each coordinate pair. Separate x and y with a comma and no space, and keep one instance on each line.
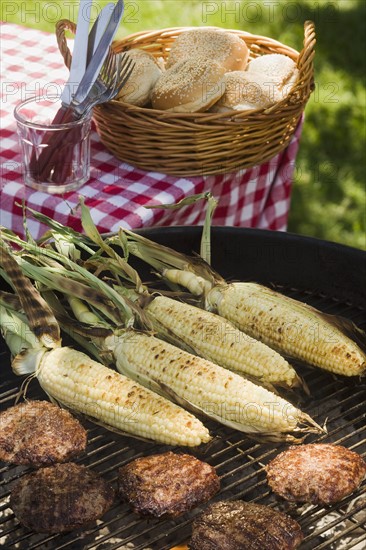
(55,157)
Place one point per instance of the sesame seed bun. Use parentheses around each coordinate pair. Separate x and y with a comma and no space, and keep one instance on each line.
(222,46)
(244,91)
(146,72)
(192,85)
(279,70)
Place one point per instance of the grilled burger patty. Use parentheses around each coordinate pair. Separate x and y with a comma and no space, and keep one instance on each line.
(60,498)
(166,484)
(239,525)
(317,473)
(38,433)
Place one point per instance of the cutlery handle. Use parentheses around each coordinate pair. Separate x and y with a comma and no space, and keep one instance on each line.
(42,166)
(63,164)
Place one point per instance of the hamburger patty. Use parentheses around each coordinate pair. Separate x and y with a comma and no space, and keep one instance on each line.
(317,473)
(60,498)
(239,525)
(38,433)
(167,484)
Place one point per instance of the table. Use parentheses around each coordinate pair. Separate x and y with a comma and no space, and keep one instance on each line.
(117,193)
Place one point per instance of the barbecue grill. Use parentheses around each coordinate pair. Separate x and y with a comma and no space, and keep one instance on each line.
(328,276)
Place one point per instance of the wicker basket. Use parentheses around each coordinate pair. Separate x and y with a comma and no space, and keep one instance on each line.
(188,144)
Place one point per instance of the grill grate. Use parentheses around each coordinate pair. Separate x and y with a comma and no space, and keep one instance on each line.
(239,462)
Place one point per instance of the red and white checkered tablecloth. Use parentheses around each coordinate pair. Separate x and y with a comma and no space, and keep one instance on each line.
(117,192)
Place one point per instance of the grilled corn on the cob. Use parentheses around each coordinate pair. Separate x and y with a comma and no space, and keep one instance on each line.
(203,385)
(289,326)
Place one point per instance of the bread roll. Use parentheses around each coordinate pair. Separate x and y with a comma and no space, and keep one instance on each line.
(214,44)
(190,86)
(146,72)
(279,70)
(245,91)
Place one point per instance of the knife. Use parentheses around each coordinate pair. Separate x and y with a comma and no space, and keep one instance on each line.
(79,57)
(98,29)
(93,69)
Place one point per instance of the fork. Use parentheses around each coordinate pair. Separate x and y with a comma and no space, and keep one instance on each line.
(115,72)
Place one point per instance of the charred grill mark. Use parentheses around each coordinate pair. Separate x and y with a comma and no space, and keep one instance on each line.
(41,319)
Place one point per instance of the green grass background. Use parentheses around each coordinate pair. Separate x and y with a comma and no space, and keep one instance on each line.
(329,193)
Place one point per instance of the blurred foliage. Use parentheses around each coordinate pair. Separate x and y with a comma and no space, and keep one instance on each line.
(329,192)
